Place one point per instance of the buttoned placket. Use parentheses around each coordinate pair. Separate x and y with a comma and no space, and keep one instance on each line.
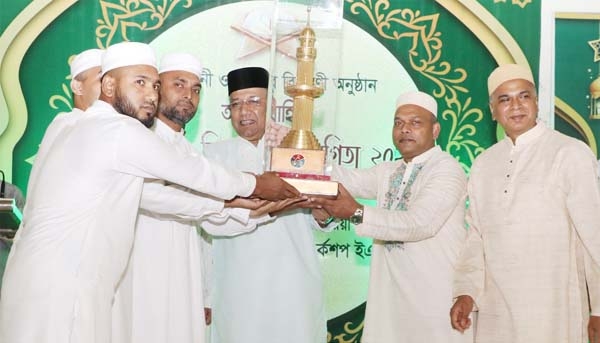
(508,184)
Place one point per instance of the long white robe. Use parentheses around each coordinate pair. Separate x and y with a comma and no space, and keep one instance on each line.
(77,232)
(418,230)
(61,123)
(267,283)
(532,204)
(160,298)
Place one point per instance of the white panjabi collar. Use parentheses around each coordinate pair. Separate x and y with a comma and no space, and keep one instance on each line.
(424,156)
(530,135)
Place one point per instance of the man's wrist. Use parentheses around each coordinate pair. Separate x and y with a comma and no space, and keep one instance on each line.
(357,217)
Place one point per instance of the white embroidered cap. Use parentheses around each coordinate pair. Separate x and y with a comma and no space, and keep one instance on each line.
(418,98)
(181,61)
(507,72)
(127,54)
(85,60)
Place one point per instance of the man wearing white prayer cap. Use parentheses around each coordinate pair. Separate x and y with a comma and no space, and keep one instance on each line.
(533,223)
(85,85)
(78,224)
(85,77)
(417,228)
(160,298)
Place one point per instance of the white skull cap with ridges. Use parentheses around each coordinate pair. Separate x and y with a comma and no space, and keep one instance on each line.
(127,54)
(180,61)
(86,59)
(507,72)
(418,98)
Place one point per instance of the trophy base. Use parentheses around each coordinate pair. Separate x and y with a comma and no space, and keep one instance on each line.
(312,184)
(302,161)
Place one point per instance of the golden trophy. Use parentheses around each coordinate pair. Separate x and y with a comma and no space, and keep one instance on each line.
(299,158)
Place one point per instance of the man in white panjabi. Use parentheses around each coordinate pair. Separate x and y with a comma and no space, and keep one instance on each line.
(534,220)
(86,69)
(417,227)
(160,298)
(267,283)
(77,229)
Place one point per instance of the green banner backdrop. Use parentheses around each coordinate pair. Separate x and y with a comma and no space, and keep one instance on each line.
(445,47)
(577,76)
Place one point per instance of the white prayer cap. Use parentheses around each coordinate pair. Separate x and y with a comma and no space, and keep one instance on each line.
(181,61)
(507,72)
(127,54)
(85,60)
(418,98)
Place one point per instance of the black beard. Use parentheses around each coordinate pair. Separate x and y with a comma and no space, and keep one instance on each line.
(124,106)
(176,116)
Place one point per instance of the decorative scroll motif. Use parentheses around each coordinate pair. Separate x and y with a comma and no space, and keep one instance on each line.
(144,15)
(425,56)
(520,3)
(349,335)
(62,102)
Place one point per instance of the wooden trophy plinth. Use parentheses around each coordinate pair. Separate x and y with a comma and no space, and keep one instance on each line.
(303,169)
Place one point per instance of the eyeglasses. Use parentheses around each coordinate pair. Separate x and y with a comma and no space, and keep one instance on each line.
(252,102)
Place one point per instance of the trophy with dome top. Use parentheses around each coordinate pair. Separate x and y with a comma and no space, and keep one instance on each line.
(300,159)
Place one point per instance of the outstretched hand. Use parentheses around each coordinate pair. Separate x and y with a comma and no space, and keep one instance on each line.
(343,206)
(247,203)
(274,207)
(271,187)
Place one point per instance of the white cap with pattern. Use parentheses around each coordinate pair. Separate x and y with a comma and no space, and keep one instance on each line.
(507,72)
(420,99)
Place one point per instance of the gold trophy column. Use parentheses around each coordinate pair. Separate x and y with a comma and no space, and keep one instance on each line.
(303,92)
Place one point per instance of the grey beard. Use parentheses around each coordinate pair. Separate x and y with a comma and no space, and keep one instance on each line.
(175,116)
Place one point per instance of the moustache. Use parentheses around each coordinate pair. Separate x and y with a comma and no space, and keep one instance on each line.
(149,105)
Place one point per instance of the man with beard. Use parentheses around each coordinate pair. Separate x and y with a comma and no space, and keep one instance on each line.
(77,231)
(160,297)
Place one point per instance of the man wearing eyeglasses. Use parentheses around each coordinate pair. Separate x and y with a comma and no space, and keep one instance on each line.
(77,232)
(159,298)
(267,283)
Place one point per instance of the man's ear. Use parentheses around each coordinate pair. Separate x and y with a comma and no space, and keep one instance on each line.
(108,85)
(436,130)
(76,87)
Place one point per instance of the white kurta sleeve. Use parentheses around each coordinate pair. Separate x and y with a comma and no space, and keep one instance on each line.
(361,183)
(174,201)
(583,197)
(443,190)
(469,269)
(232,226)
(140,152)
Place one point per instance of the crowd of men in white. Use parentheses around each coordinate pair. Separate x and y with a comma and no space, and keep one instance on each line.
(110,248)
